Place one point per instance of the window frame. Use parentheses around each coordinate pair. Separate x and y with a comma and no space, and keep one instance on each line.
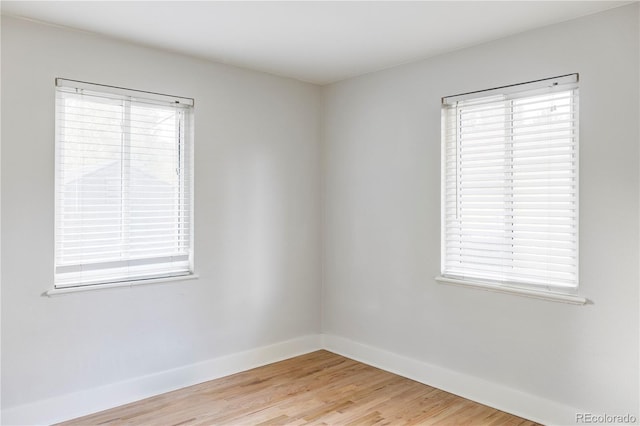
(184,182)
(536,290)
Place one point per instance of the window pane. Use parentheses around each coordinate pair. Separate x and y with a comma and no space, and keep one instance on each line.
(510,188)
(123,188)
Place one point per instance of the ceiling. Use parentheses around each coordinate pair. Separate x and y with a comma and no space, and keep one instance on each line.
(315,41)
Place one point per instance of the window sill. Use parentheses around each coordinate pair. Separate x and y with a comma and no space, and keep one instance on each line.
(93,287)
(573,299)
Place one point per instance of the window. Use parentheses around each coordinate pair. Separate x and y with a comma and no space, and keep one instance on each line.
(123,185)
(510,185)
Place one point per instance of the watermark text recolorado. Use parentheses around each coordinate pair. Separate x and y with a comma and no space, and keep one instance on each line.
(603,419)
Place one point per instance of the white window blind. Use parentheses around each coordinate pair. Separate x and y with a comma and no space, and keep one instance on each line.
(123,185)
(510,185)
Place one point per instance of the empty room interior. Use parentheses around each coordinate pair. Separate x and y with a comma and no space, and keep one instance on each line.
(322,213)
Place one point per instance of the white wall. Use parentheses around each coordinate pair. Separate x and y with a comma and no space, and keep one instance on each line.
(382,221)
(259,162)
(257,220)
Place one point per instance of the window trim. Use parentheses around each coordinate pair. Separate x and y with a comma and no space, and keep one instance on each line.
(518,290)
(538,291)
(61,291)
(138,97)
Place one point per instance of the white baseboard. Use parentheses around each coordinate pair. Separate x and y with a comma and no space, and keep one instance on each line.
(66,407)
(78,404)
(506,399)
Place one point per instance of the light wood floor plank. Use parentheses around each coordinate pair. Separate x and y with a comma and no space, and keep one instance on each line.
(320,388)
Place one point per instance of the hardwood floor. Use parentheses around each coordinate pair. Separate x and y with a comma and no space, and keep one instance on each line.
(320,388)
